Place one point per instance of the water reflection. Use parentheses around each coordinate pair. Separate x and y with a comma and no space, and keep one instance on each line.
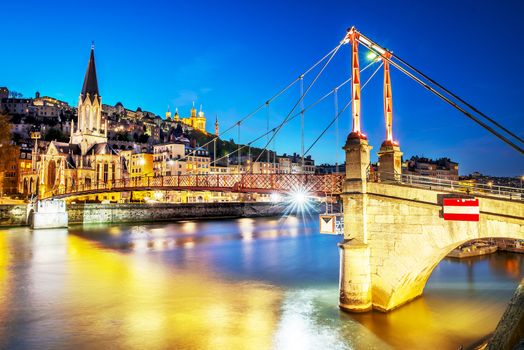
(75,295)
(224,284)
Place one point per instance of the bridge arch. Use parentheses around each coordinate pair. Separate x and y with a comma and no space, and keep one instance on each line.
(402,237)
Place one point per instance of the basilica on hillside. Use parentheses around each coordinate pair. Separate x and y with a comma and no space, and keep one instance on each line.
(196,121)
(87,158)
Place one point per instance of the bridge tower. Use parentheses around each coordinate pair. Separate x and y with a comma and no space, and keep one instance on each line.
(355,274)
(389,156)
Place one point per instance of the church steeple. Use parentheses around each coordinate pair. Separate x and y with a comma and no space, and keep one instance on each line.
(216,126)
(89,127)
(90,82)
(193,111)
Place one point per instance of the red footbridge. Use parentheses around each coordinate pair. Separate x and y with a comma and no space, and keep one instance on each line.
(320,185)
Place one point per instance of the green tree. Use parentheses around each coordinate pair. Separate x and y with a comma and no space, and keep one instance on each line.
(55,134)
(6,147)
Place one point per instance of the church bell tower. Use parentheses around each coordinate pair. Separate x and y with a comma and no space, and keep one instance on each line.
(89,128)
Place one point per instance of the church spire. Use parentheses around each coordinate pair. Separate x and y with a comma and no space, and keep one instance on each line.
(90,82)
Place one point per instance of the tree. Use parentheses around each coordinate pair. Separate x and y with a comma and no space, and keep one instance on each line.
(55,134)
(6,148)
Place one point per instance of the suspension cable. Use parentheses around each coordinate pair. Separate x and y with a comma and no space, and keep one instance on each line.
(302,122)
(459,98)
(294,116)
(373,47)
(275,96)
(335,95)
(455,105)
(267,129)
(239,156)
(342,111)
(305,93)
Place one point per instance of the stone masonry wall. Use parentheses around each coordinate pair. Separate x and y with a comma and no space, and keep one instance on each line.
(119,213)
(13,215)
(408,237)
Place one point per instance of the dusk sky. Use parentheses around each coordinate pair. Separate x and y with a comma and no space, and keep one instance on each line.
(232,56)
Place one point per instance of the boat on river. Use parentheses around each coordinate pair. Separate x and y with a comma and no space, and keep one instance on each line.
(511,245)
(473,248)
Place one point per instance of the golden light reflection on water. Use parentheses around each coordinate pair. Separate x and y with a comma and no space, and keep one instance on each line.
(4,283)
(148,308)
(436,321)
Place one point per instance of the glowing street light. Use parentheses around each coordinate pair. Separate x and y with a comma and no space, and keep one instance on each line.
(372,56)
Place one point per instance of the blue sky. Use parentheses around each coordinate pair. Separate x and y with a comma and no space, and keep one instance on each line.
(231,56)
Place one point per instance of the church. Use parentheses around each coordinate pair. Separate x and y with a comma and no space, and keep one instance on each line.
(196,121)
(87,158)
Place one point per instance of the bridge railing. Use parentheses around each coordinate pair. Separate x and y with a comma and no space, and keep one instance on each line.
(318,184)
(434,183)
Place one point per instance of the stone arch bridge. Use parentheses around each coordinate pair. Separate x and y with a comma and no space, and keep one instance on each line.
(395,233)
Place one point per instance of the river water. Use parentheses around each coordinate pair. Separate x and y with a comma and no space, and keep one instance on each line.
(265,283)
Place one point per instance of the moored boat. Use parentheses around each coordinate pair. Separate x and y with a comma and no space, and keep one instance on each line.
(473,248)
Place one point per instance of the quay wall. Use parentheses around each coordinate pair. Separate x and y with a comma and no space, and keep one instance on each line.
(138,212)
(509,333)
(13,215)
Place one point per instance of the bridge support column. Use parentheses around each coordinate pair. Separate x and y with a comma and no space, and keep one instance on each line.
(355,277)
(390,161)
(355,268)
(48,213)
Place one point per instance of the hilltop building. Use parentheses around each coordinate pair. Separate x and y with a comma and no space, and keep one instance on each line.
(195,121)
(39,107)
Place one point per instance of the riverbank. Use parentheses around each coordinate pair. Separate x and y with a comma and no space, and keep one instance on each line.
(89,213)
(141,212)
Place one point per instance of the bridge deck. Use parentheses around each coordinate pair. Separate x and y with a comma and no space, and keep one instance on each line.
(248,183)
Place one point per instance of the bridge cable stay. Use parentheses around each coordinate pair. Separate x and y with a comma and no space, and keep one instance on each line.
(289,120)
(239,155)
(274,152)
(377,49)
(456,106)
(459,98)
(275,96)
(302,122)
(303,95)
(267,128)
(342,111)
(297,114)
(335,100)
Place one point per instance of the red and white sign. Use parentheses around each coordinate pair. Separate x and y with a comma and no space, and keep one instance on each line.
(461,209)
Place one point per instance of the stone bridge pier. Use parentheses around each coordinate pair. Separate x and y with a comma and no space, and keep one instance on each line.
(394,235)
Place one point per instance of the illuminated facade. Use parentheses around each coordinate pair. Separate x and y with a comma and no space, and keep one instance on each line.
(197,161)
(140,165)
(196,120)
(168,159)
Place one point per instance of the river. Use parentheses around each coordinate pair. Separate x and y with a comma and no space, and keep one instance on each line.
(265,283)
